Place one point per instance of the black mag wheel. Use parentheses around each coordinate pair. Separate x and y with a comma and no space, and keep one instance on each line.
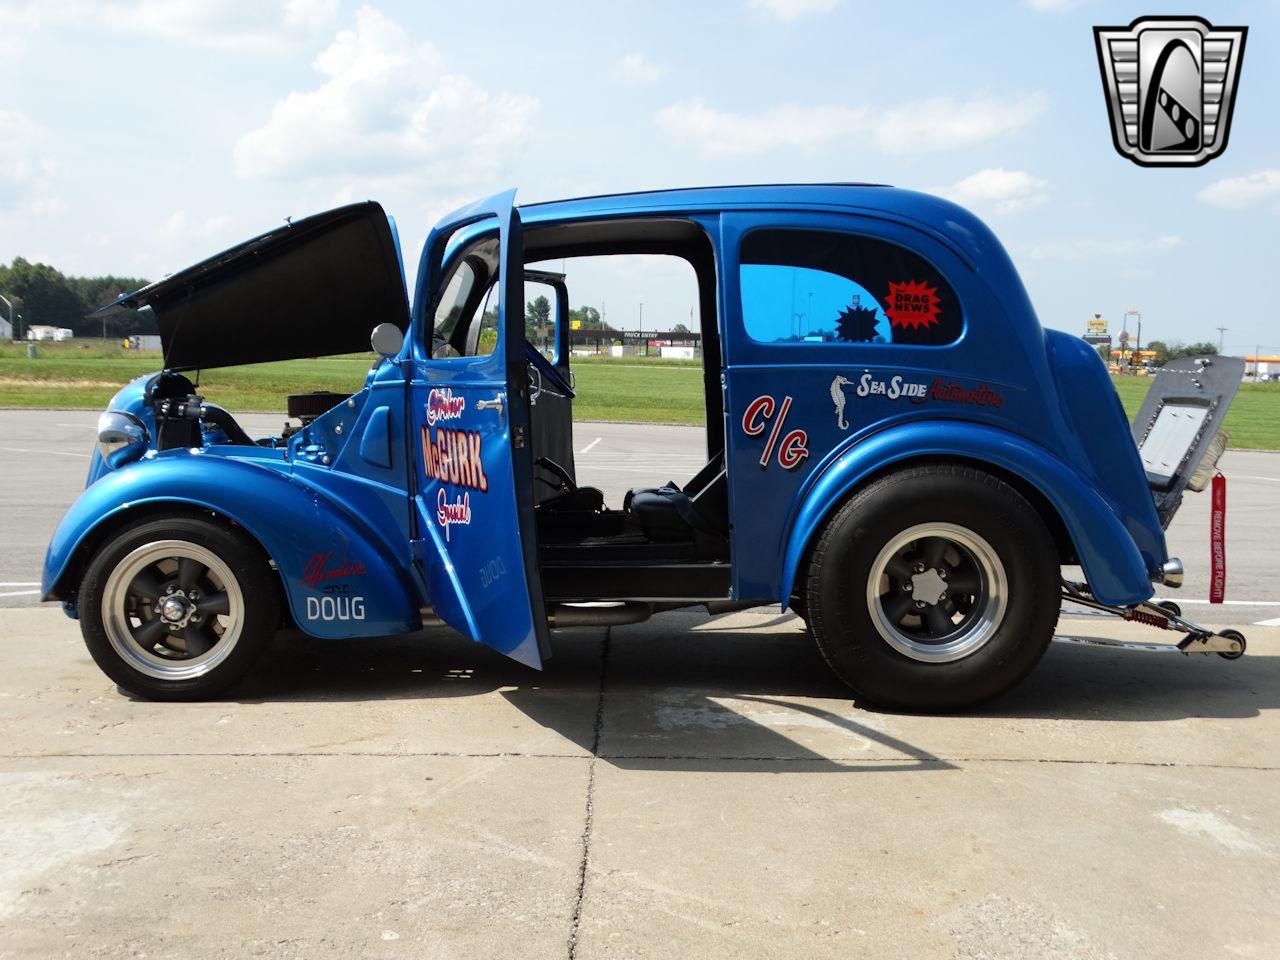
(177,609)
(933,588)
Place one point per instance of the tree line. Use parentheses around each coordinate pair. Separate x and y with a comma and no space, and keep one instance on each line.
(43,295)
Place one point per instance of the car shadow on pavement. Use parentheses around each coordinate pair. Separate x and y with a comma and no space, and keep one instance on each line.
(689,691)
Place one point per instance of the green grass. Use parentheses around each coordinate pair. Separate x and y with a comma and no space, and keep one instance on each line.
(1253,422)
(632,388)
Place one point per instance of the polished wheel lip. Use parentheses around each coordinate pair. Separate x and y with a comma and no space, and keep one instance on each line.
(115,612)
(978,627)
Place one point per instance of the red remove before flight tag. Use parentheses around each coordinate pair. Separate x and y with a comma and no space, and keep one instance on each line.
(1218,540)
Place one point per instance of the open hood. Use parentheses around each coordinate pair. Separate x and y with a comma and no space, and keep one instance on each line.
(313,288)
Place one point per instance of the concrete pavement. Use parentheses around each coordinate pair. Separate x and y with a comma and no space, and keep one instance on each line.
(692,786)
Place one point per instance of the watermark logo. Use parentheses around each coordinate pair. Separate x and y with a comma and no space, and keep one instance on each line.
(1170,84)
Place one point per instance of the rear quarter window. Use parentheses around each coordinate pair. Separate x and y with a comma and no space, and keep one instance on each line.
(819,286)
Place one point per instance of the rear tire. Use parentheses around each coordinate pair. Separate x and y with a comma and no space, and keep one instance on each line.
(935,588)
(178,608)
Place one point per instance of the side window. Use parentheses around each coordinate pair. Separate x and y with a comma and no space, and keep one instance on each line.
(449,311)
(540,317)
(465,319)
(810,286)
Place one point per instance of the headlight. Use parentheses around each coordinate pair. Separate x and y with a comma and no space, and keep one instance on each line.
(122,438)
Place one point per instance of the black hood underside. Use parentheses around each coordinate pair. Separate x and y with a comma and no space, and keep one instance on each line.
(313,288)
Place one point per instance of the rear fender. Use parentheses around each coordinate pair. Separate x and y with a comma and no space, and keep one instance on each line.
(340,576)
(1111,560)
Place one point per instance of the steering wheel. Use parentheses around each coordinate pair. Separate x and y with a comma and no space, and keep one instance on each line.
(548,370)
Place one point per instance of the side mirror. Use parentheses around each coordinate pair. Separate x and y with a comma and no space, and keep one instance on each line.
(386,340)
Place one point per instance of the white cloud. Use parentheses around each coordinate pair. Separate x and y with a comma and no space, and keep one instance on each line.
(385,109)
(1054,6)
(1004,191)
(789,126)
(26,172)
(180,226)
(926,125)
(1236,193)
(232,24)
(1093,249)
(637,69)
(944,123)
(792,9)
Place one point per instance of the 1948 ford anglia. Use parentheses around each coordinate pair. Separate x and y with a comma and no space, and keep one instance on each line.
(907,462)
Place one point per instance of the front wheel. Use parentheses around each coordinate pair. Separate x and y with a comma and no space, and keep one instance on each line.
(178,608)
(935,588)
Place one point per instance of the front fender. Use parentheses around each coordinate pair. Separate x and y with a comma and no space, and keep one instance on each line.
(1112,562)
(340,577)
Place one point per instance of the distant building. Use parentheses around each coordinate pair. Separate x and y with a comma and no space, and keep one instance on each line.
(6,330)
(57,334)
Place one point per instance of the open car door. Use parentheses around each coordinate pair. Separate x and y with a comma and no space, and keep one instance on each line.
(473,499)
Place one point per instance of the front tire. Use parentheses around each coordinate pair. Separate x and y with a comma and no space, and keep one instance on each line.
(178,608)
(935,588)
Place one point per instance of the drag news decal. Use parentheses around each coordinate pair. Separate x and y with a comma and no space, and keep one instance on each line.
(1170,84)
(454,457)
(336,600)
(765,412)
(912,305)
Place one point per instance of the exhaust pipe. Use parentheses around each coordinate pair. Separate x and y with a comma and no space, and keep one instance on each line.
(561,615)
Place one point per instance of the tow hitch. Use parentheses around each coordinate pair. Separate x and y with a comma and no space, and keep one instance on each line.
(1166,615)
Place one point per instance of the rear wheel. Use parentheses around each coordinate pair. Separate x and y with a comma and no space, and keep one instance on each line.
(178,608)
(934,588)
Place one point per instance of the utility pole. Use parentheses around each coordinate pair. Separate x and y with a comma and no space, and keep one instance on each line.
(1221,331)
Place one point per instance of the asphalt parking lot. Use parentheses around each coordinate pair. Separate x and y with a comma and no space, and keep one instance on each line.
(691,786)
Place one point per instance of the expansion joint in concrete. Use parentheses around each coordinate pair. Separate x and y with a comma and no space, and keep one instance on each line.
(588,818)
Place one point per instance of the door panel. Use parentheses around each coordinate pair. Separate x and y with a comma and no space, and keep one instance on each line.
(473,503)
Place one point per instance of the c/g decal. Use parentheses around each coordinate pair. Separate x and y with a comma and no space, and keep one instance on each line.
(792,449)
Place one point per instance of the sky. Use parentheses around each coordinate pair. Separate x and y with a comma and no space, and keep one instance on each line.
(138,136)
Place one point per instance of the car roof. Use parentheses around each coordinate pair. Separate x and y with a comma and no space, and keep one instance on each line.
(939,216)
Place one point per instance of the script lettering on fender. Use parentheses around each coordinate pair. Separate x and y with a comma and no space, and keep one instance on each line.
(449,513)
(454,456)
(792,448)
(317,570)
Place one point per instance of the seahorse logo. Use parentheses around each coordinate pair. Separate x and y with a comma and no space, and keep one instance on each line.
(837,397)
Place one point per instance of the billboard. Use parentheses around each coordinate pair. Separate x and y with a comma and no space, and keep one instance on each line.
(1096,326)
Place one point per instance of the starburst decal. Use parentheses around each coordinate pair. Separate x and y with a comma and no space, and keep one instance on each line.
(856,323)
(913,304)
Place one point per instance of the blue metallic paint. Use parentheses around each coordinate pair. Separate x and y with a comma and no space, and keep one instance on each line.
(1059,427)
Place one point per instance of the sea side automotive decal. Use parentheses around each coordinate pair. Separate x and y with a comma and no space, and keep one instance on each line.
(837,397)
(792,449)
(337,601)
(443,405)
(979,396)
(916,392)
(912,304)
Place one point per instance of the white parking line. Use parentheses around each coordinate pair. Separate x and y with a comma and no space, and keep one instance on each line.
(21,593)
(590,446)
(1228,603)
(1273,622)
(56,453)
(20,583)
(1250,476)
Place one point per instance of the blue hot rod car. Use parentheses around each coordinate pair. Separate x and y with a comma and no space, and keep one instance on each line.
(908,462)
